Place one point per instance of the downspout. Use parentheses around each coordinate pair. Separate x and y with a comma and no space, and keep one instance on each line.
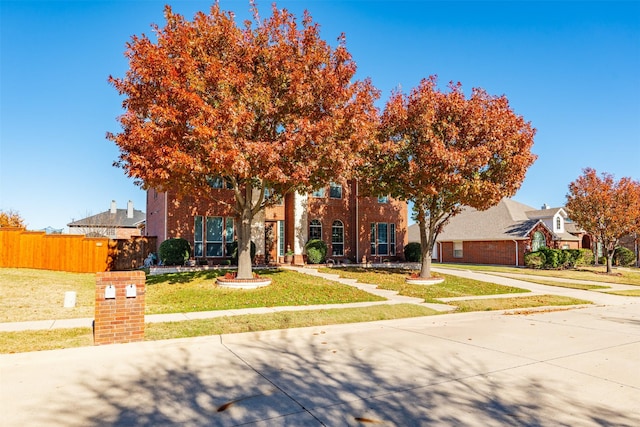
(440,251)
(357,231)
(166,213)
(517,264)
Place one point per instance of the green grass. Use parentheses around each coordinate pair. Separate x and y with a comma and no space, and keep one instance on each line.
(196,291)
(393,279)
(626,293)
(519,302)
(27,294)
(596,274)
(16,342)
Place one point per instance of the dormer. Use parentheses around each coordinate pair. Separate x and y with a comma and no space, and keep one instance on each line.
(553,218)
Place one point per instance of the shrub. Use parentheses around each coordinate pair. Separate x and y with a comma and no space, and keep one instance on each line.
(535,259)
(623,257)
(174,251)
(233,247)
(316,251)
(413,252)
(584,258)
(552,257)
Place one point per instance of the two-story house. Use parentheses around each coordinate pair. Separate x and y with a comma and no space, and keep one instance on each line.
(352,226)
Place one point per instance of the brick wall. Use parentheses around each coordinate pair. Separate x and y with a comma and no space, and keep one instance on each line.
(181,212)
(119,319)
(500,252)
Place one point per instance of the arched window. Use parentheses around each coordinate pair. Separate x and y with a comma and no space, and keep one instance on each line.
(315,230)
(538,241)
(558,224)
(337,238)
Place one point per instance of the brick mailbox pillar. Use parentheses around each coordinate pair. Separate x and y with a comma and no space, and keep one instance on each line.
(119,316)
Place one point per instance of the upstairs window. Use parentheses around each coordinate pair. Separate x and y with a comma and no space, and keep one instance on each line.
(383,199)
(319,193)
(558,223)
(335,191)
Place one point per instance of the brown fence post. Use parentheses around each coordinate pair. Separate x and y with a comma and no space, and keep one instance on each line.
(119,309)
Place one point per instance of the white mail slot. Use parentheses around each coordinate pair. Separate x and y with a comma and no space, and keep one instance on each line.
(110,292)
(131,291)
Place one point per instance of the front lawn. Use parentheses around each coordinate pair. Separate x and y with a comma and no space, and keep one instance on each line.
(195,291)
(393,279)
(27,294)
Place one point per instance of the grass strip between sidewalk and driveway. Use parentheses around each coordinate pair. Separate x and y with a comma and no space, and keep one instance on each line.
(623,276)
(394,279)
(491,304)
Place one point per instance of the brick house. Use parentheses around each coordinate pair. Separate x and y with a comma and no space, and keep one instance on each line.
(503,234)
(352,226)
(114,223)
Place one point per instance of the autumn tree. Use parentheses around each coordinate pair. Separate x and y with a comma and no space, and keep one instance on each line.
(268,106)
(11,218)
(442,151)
(605,208)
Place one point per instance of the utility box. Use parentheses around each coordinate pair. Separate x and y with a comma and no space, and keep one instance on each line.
(119,309)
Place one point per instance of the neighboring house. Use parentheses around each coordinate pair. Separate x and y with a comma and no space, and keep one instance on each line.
(351,225)
(114,223)
(503,234)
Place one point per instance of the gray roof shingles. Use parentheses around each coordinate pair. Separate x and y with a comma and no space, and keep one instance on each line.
(108,219)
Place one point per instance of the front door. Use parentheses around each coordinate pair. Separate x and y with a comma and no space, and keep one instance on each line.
(270,242)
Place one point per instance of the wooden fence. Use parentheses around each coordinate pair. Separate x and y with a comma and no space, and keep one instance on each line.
(69,252)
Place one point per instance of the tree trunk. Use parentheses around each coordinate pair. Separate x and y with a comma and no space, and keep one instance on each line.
(609,261)
(427,240)
(244,244)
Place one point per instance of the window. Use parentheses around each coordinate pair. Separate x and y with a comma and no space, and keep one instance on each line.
(558,223)
(335,191)
(457,250)
(337,238)
(269,193)
(315,230)
(219,182)
(392,239)
(281,238)
(538,241)
(319,193)
(373,239)
(197,236)
(214,236)
(228,236)
(383,239)
(383,199)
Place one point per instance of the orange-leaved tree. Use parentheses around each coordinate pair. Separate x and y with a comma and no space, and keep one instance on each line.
(442,151)
(269,107)
(11,218)
(605,208)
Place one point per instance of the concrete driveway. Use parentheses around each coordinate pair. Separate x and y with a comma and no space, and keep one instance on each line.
(575,367)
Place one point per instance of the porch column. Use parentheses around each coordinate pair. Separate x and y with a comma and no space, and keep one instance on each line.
(301,226)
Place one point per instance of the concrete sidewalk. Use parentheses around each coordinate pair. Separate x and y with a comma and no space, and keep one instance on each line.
(567,368)
(392,297)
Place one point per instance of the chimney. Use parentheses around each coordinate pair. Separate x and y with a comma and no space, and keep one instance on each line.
(545,206)
(130,209)
(113,206)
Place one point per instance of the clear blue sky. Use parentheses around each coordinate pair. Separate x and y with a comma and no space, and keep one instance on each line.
(571,68)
